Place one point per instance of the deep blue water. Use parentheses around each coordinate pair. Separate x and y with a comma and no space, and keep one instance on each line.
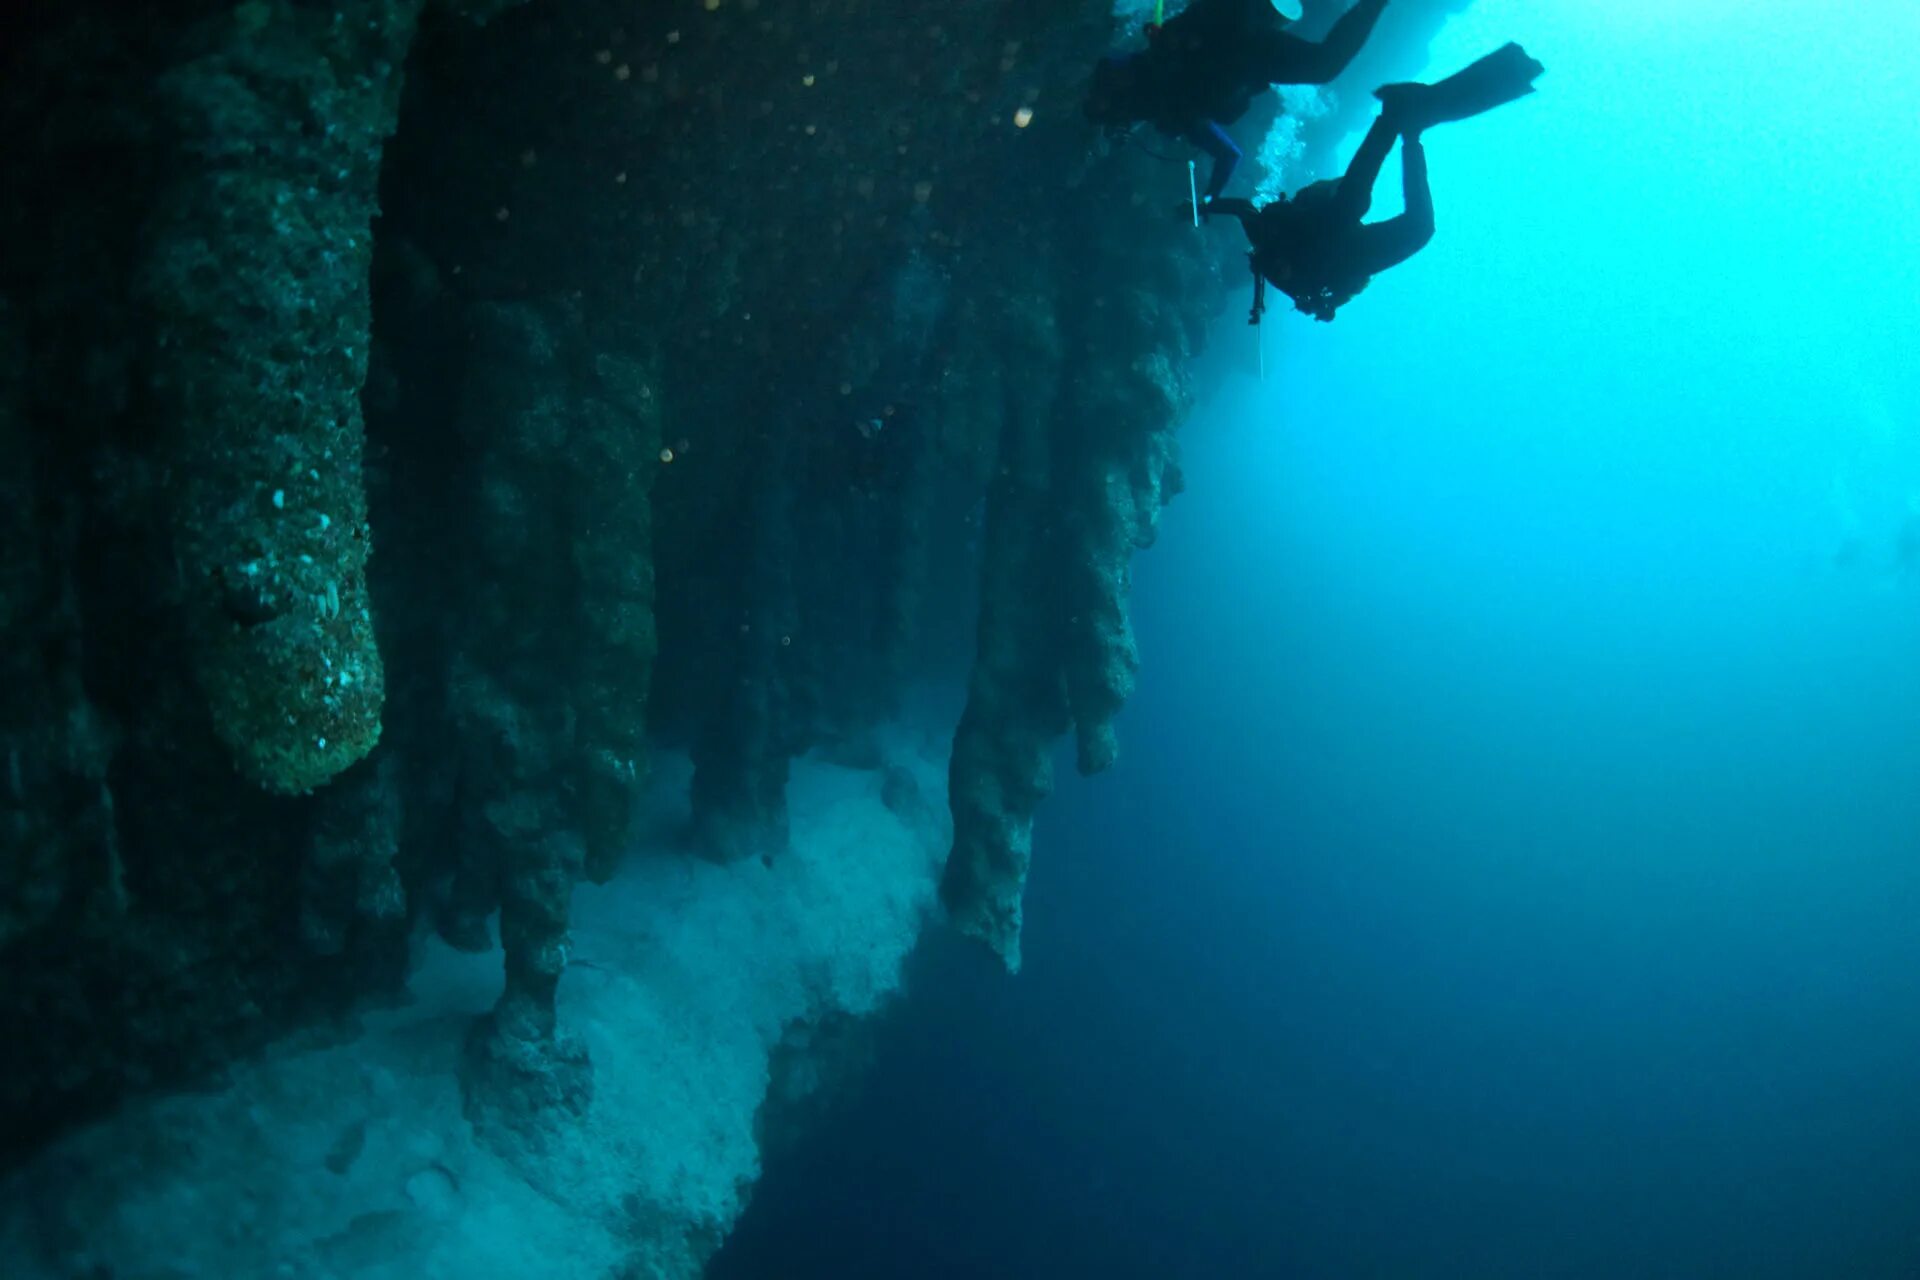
(1514,867)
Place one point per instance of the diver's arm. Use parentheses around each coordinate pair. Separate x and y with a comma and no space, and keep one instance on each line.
(1301,62)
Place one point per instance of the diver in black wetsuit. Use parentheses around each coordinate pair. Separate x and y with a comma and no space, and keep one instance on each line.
(1201,70)
(1314,247)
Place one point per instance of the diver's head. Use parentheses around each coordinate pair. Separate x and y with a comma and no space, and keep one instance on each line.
(1113,97)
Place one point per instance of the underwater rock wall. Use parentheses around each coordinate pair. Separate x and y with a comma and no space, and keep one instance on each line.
(151,886)
(409,423)
(191,646)
(648,339)
(722,184)
(252,279)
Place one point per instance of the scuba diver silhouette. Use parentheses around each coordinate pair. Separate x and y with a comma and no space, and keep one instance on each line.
(1201,70)
(1314,247)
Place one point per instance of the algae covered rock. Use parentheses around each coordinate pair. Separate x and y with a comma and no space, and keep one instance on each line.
(254,273)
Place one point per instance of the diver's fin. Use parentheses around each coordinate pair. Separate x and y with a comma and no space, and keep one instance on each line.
(1501,77)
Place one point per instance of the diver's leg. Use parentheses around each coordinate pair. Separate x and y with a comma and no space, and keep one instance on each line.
(1505,75)
(1380,245)
(1216,142)
(1355,195)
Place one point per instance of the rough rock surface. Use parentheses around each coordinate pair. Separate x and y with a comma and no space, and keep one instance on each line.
(346,1154)
(414,414)
(253,276)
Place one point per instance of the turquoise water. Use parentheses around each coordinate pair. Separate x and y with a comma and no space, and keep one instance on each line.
(1511,870)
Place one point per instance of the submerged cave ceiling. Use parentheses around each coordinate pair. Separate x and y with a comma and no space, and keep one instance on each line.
(414,414)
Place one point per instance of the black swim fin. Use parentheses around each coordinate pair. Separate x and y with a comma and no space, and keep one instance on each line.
(1501,77)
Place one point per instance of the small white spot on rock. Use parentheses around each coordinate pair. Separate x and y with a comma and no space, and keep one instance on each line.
(434,1192)
(279,499)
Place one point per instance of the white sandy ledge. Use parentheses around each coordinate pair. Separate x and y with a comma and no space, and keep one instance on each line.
(686,975)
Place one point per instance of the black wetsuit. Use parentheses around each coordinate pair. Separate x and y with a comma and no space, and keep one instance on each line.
(1316,249)
(1204,67)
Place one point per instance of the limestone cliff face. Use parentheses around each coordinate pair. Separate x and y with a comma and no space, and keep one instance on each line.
(194,861)
(1090,388)
(414,414)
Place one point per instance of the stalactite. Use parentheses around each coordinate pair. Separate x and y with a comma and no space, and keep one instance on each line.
(613,455)
(740,758)
(754,297)
(348,881)
(255,276)
(518,840)
(35,870)
(1086,461)
(1002,767)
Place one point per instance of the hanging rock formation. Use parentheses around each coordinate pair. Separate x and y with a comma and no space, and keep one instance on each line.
(413,426)
(254,272)
(269,121)
(1087,402)
(189,217)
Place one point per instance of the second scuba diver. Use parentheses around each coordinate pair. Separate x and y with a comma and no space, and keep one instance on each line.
(1314,247)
